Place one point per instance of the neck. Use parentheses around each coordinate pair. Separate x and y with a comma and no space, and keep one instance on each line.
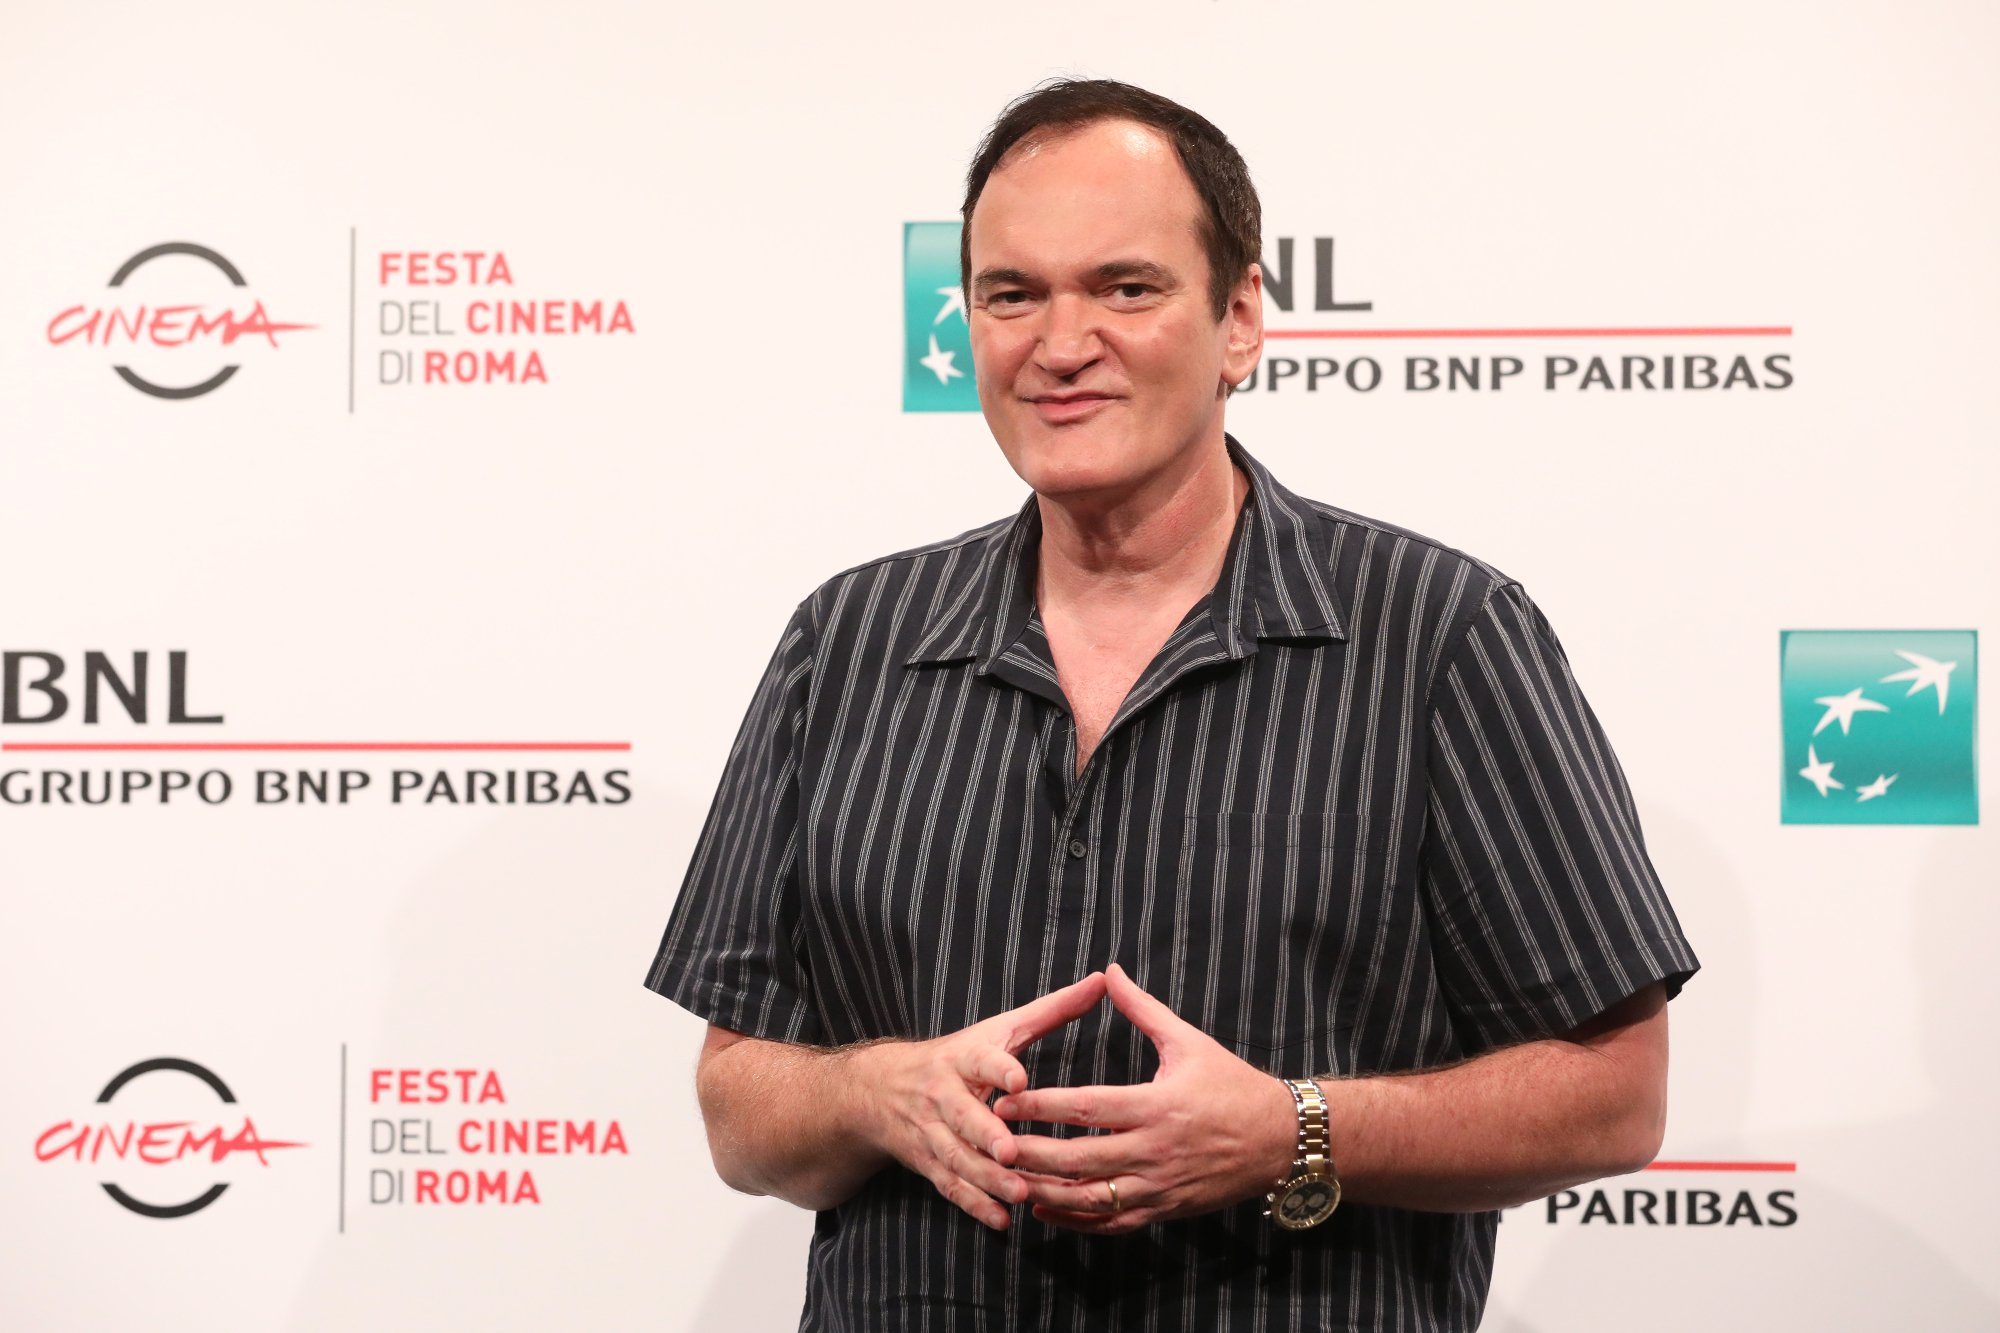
(1169,535)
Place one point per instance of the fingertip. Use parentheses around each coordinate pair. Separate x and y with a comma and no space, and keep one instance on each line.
(1017,1080)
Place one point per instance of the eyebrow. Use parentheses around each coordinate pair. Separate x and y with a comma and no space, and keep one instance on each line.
(1127,269)
(1001,277)
(1114,271)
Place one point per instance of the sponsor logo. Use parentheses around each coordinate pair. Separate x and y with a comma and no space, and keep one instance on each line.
(937,341)
(38,688)
(434,1135)
(1313,343)
(1724,1197)
(457,317)
(173,334)
(135,1147)
(441,1136)
(1879,726)
(417,317)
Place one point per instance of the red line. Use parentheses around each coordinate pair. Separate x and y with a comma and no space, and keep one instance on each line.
(170,746)
(1723,1166)
(1745,331)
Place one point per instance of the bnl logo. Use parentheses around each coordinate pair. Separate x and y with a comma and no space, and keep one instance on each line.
(1880,726)
(937,341)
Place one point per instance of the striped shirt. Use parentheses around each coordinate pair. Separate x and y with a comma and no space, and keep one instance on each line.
(1354,817)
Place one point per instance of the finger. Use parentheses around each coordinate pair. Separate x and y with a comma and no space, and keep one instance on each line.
(975,1124)
(1091,1158)
(1039,1017)
(987,1065)
(1098,1224)
(959,1159)
(1091,1196)
(1166,1029)
(1095,1108)
(969,1200)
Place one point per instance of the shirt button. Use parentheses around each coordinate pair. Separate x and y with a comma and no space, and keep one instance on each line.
(1076,847)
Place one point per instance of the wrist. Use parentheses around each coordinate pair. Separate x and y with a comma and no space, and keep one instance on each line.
(855,1109)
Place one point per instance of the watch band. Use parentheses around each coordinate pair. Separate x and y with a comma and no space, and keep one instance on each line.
(1312,1156)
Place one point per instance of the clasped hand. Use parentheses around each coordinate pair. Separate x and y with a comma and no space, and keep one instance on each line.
(1209,1130)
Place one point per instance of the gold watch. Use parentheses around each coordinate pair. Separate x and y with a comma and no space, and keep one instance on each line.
(1311,1192)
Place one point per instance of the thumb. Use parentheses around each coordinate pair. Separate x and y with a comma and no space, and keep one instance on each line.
(1167,1030)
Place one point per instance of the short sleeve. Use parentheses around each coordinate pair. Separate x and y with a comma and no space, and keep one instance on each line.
(1535,875)
(732,952)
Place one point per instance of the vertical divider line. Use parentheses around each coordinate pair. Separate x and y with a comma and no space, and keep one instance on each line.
(343,1138)
(350,343)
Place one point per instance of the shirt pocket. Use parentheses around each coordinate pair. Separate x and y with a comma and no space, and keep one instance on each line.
(1261,905)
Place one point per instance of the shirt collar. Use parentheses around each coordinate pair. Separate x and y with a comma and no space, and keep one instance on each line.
(1276,580)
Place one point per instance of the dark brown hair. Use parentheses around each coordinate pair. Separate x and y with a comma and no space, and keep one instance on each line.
(1231,224)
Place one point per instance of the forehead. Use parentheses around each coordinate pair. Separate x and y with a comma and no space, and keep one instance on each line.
(1114,189)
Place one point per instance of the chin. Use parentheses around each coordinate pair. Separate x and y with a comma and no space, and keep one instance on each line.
(1062,463)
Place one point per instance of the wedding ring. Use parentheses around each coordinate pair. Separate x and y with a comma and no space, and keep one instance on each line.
(1112,1185)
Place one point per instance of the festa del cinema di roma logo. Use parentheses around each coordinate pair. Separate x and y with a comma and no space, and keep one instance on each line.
(937,342)
(450,1136)
(134,1146)
(170,347)
(147,326)
(1879,726)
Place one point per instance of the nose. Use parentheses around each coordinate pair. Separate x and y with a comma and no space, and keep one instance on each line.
(1069,342)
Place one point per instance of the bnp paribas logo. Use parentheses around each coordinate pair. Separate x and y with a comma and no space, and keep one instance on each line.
(937,341)
(1880,726)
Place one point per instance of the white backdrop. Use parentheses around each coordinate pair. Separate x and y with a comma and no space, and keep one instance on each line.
(501,563)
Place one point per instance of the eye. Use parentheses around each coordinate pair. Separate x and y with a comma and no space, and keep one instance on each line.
(1133,291)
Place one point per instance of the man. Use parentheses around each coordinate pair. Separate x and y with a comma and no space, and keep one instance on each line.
(1312,801)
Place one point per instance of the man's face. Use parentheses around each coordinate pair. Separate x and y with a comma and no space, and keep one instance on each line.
(1098,355)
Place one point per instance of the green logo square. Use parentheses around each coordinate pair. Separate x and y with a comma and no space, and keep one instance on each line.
(1880,726)
(937,340)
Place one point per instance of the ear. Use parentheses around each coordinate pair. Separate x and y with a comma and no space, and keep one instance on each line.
(1243,328)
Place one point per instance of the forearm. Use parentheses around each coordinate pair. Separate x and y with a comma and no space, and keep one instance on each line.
(789,1121)
(1502,1129)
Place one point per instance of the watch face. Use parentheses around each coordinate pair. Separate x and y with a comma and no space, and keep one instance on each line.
(1305,1203)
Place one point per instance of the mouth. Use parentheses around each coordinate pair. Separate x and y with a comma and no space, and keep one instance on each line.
(1063,408)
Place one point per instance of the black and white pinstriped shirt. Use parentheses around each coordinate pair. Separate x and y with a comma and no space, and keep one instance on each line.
(1355,817)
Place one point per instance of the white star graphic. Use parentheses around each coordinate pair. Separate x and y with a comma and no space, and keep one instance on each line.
(1820,774)
(1879,787)
(1924,671)
(1842,707)
(939,364)
(954,299)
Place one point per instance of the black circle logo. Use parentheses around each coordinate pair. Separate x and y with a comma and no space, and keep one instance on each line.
(140,382)
(215,1084)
